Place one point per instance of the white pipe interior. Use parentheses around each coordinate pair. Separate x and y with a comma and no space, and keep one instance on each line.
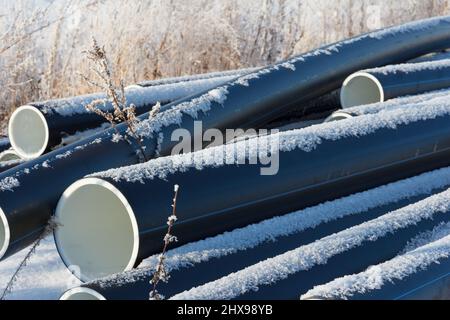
(9,155)
(85,294)
(361,88)
(338,115)
(98,231)
(28,132)
(4,234)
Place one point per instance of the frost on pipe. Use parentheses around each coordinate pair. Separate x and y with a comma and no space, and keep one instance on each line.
(203,76)
(381,84)
(395,141)
(420,274)
(38,127)
(203,261)
(353,250)
(247,102)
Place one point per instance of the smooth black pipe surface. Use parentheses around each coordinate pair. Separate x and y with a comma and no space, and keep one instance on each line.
(365,158)
(431,283)
(381,84)
(421,273)
(4,144)
(250,101)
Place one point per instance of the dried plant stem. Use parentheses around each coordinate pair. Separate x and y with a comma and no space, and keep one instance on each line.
(122,111)
(161,273)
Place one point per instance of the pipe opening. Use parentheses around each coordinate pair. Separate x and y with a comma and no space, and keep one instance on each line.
(9,155)
(338,115)
(84,294)
(28,132)
(98,231)
(4,234)
(361,88)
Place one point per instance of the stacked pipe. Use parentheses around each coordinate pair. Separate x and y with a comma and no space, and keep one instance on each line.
(245,195)
(207,260)
(293,273)
(381,84)
(51,121)
(249,101)
(421,273)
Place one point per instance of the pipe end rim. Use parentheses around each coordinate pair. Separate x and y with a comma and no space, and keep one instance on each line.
(5,234)
(81,241)
(28,132)
(81,293)
(361,88)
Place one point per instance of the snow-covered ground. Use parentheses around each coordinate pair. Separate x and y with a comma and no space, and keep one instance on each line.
(45,277)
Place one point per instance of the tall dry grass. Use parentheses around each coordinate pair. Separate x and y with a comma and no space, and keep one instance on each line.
(41,40)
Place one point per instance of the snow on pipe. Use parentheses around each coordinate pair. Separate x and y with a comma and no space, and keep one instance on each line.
(195,77)
(37,127)
(381,84)
(247,102)
(353,250)
(207,260)
(244,195)
(419,274)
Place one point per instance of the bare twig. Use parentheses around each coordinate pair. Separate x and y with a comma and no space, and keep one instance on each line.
(161,273)
(122,112)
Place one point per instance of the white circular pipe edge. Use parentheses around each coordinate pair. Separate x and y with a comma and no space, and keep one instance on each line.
(81,293)
(28,132)
(361,88)
(99,233)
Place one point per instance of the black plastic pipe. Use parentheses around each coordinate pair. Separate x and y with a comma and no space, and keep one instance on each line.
(346,252)
(420,274)
(361,160)
(354,260)
(195,77)
(4,144)
(381,84)
(134,285)
(9,164)
(430,284)
(248,102)
(36,128)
